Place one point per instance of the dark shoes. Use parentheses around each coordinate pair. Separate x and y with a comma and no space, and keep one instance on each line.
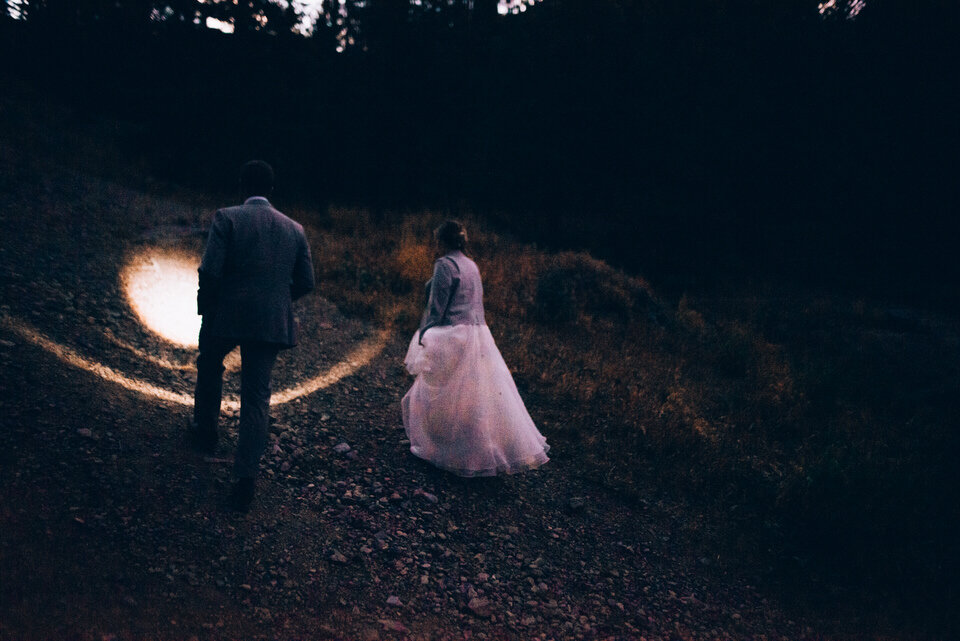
(201,441)
(242,495)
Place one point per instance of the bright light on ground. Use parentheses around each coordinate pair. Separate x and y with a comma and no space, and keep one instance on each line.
(162,289)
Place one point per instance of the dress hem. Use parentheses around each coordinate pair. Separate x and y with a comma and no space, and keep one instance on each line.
(511,468)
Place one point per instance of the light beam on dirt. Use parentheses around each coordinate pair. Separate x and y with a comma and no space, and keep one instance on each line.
(230,364)
(358,357)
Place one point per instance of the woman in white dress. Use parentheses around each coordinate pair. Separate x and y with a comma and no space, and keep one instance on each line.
(463,413)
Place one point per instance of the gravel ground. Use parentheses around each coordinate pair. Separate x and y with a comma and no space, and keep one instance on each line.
(110,528)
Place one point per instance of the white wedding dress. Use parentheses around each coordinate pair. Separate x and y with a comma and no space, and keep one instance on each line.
(463,412)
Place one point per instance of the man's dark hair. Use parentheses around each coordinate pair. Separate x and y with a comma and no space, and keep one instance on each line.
(256,179)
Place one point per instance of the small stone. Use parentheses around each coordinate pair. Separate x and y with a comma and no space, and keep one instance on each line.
(342,448)
(480,606)
(430,497)
(336,557)
(393,626)
(394,601)
(85,432)
(576,503)
(6,343)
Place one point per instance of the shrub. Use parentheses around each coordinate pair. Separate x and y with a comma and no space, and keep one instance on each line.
(574,285)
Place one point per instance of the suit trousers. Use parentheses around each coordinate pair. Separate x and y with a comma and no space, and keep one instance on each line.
(257,359)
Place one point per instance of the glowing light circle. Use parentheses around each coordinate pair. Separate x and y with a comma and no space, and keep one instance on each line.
(161,288)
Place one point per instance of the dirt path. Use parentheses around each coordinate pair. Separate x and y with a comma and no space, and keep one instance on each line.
(113,529)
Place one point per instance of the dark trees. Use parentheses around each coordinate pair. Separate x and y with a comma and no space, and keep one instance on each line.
(247,15)
(743,133)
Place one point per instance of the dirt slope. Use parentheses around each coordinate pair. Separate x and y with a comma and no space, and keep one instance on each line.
(110,528)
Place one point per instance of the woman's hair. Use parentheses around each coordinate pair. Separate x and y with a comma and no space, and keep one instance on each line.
(452,234)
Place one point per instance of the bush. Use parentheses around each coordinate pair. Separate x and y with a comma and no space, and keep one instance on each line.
(574,285)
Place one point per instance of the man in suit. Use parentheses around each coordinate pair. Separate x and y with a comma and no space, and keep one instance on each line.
(256,263)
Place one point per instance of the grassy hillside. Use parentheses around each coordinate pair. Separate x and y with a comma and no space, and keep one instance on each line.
(808,436)
(809,432)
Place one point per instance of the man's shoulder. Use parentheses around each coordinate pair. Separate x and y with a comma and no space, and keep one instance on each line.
(229,212)
(236,212)
(284,217)
(286,220)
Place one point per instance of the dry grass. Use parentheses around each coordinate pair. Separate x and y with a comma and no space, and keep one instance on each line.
(798,425)
(622,363)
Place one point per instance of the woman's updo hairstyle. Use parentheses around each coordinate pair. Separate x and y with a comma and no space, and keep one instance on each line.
(451,234)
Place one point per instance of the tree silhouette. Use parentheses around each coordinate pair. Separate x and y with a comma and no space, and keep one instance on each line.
(13,10)
(266,16)
(261,15)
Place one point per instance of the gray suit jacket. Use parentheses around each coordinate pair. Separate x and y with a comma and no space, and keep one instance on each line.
(256,263)
(454,294)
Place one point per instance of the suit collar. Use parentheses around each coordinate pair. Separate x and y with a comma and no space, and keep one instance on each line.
(256,200)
